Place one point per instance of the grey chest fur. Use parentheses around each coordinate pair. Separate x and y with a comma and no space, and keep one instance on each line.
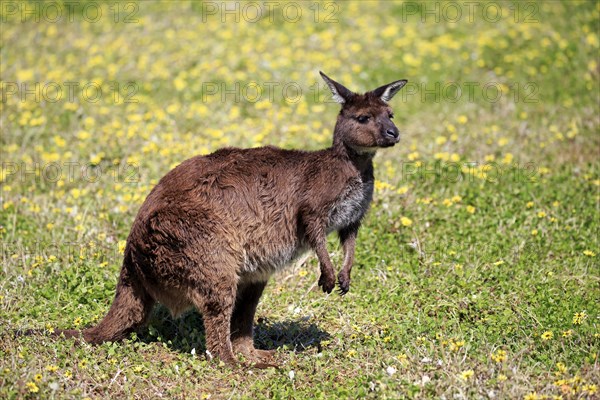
(351,205)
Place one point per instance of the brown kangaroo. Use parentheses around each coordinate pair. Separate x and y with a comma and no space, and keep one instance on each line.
(215,228)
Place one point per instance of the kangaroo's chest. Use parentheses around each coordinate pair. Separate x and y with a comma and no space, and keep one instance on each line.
(351,205)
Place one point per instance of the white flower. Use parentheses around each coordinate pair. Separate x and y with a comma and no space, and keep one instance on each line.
(292,374)
(390,370)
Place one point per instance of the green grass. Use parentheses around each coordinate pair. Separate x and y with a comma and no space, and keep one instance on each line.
(476,271)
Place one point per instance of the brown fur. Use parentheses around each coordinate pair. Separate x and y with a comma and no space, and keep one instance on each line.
(215,228)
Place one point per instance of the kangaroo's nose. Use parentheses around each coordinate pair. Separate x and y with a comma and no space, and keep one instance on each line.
(392,133)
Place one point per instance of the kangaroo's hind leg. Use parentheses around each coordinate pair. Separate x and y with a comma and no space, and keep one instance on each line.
(242,320)
(215,298)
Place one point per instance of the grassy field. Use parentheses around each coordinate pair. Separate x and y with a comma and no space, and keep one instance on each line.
(476,274)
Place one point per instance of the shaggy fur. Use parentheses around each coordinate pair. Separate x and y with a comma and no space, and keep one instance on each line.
(215,228)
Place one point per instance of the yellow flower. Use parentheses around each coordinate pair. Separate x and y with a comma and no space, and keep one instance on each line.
(413,156)
(541,214)
(59,141)
(71,106)
(534,232)
(562,368)
(589,253)
(402,190)
(51,368)
(507,159)
(579,317)
(380,185)
(456,345)
(560,382)
(440,140)
(37,377)
(33,388)
(532,396)
(547,335)
(567,333)
(590,389)
(529,204)
(75,192)
(466,375)
(96,158)
(444,156)
(591,39)
(462,119)
(502,378)
(471,209)
(389,31)
(499,356)
(406,221)
(25,74)
(302,273)
(173,108)
(403,358)
(121,245)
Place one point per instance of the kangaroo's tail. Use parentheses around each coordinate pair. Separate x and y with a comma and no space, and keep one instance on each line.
(129,310)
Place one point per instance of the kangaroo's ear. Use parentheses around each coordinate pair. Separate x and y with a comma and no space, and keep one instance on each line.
(340,93)
(386,92)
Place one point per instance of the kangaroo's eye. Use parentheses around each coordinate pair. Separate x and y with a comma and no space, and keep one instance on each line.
(391,116)
(362,118)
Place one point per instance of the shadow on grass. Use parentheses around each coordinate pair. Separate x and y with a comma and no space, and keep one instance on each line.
(187,332)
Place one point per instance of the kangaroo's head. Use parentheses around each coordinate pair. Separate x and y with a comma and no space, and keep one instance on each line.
(365,121)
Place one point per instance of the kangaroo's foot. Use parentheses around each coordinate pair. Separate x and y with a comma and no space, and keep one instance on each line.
(259,358)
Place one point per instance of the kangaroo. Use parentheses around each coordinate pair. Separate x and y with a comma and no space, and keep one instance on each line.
(215,228)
